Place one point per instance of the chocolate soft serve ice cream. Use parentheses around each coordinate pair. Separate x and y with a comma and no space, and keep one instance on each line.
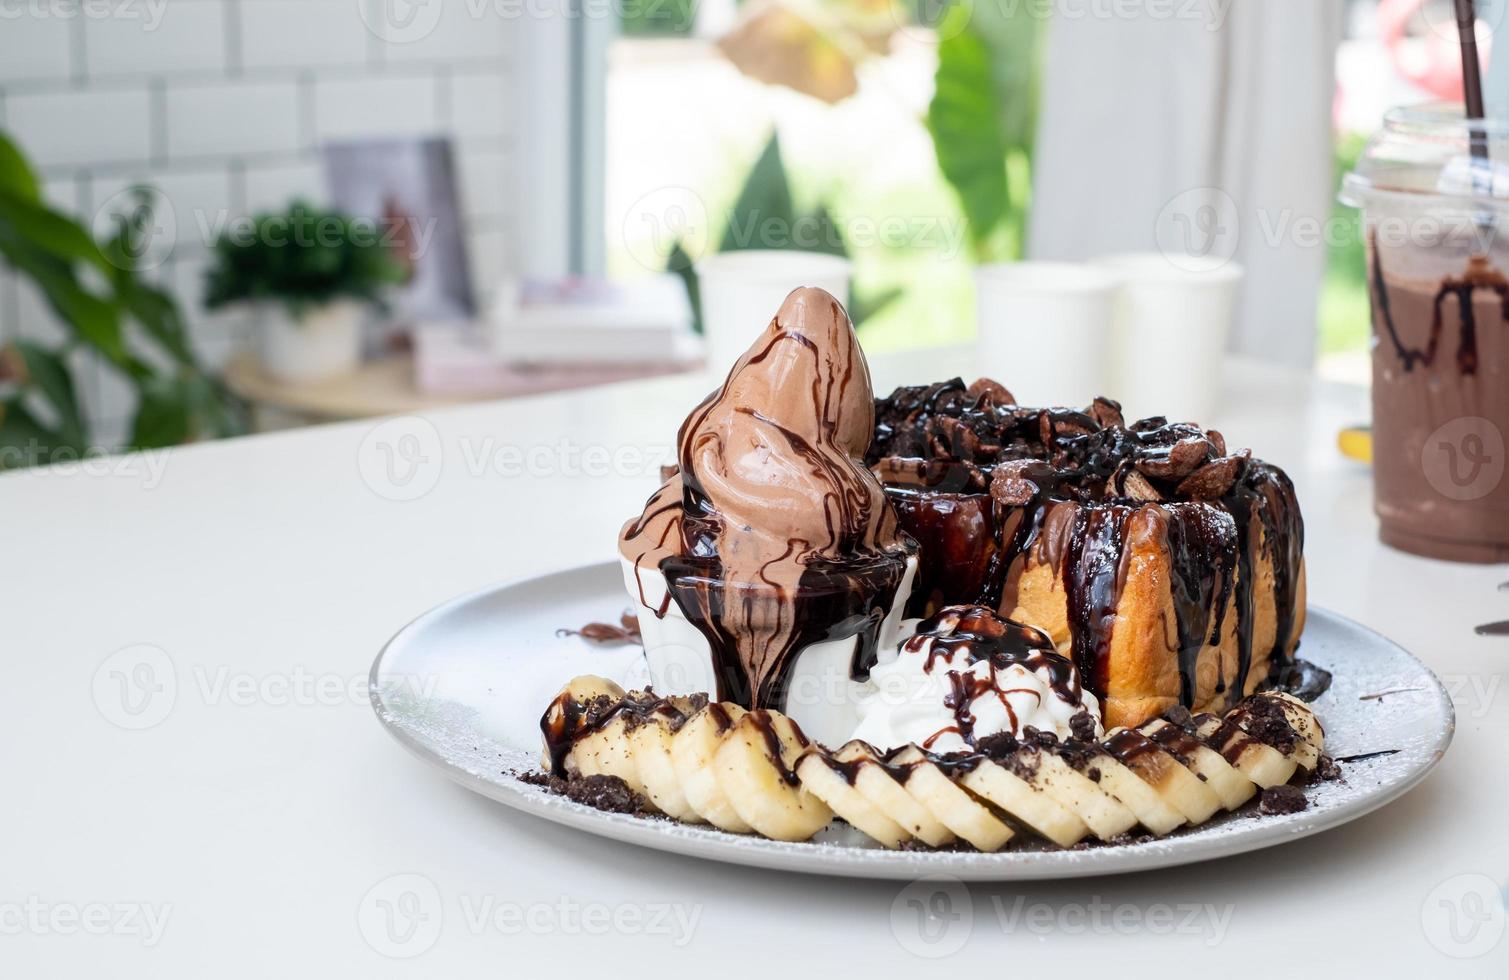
(770,567)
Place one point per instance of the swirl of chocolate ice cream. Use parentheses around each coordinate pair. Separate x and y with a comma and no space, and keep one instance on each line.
(774,534)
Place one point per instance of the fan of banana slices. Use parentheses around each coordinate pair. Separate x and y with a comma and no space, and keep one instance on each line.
(755,772)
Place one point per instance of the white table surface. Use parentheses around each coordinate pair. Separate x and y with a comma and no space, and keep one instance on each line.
(263,809)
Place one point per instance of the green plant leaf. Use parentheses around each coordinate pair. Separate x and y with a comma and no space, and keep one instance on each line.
(16,175)
(862,306)
(680,263)
(49,231)
(305,258)
(24,441)
(158,315)
(164,415)
(48,373)
(1013,35)
(818,232)
(964,119)
(97,321)
(763,217)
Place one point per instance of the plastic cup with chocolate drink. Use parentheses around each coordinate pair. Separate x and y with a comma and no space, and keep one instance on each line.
(1434,194)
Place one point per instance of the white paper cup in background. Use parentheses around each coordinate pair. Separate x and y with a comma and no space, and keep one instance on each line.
(741,292)
(1045,330)
(1173,320)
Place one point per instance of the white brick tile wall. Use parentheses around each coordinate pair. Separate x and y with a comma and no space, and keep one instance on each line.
(112,403)
(274,186)
(232,118)
(302,34)
(34,318)
(465,29)
(191,205)
(7,305)
(485,189)
(222,105)
(35,48)
(186,37)
(217,336)
(78,127)
(63,193)
(394,106)
(480,104)
(490,255)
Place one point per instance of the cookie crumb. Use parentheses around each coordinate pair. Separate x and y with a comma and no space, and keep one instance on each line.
(1283,799)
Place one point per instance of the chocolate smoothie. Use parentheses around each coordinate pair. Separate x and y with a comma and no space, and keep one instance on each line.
(1434,202)
(1440,410)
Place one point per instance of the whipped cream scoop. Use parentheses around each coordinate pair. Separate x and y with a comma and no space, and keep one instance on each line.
(968,674)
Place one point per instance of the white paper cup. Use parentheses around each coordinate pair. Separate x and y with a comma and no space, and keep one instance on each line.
(1173,320)
(741,292)
(1045,329)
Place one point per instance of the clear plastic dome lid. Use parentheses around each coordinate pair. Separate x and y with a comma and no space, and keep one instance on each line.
(1425,152)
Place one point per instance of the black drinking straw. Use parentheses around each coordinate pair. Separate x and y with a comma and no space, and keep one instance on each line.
(1472,85)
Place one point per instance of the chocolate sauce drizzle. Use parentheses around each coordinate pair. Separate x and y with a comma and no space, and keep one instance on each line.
(568,719)
(990,489)
(1478,275)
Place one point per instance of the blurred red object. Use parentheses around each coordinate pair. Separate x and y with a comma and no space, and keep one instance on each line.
(1430,58)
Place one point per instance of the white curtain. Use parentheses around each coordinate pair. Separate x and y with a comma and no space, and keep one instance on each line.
(1205,123)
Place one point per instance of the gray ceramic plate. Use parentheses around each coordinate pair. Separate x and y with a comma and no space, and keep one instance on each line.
(463,687)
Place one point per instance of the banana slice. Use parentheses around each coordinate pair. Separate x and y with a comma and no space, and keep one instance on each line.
(650,742)
(1102,769)
(1304,721)
(1028,803)
(954,807)
(1265,716)
(876,783)
(574,727)
(835,783)
(1176,785)
(755,767)
(1260,763)
(1103,814)
(1231,786)
(692,753)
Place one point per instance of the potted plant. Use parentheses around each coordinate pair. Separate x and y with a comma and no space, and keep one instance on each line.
(312,277)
